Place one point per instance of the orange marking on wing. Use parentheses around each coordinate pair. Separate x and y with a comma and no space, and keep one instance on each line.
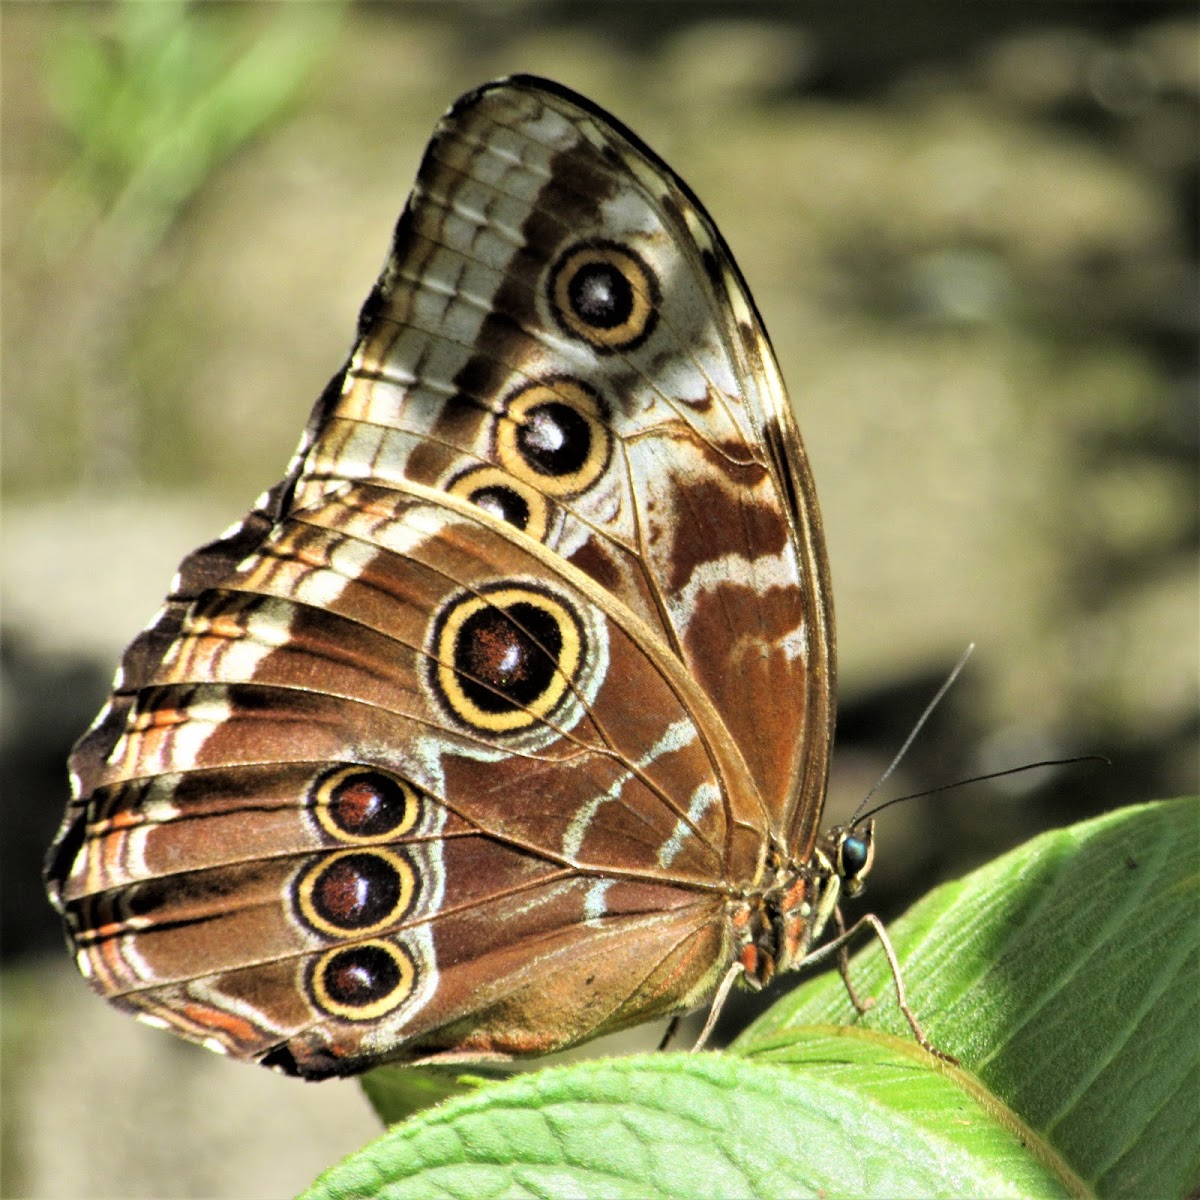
(237,1029)
(159,719)
(125,819)
(223,626)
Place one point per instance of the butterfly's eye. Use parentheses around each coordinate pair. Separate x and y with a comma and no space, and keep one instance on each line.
(605,294)
(362,982)
(504,659)
(506,498)
(356,804)
(553,437)
(855,854)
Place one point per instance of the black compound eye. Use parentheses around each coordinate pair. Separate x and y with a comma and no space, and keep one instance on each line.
(361,804)
(853,855)
(362,982)
(606,294)
(356,892)
(553,437)
(504,659)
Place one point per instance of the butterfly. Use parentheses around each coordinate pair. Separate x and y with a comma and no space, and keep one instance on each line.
(504,720)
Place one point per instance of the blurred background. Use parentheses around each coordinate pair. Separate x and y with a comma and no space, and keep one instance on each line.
(972,233)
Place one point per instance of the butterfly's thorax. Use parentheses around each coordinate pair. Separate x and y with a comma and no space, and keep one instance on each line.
(776,924)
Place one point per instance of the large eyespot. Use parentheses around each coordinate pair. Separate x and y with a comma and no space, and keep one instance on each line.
(605,294)
(506,497)
(504,659)
(364,981)
(356,892)
(553,437)
(361,804)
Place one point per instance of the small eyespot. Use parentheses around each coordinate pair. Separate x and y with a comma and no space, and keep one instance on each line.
(604,293)
(505,497)
(362,804)
(356,892)
(503,659)
(553,437)
(362,982)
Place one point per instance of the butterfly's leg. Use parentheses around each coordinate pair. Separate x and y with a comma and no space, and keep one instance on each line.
(718,1003)
(671,1030)
(843,957)
(901,998)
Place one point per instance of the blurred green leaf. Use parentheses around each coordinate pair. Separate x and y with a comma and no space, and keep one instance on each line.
(167,95)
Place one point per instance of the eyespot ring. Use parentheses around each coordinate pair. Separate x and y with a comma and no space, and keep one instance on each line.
(554,437)
(605,294)
(506,497)
(362,804)
(356,892)
(363,981)
(502,660)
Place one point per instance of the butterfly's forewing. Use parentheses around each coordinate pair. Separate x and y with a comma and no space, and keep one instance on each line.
(461,741)
(693,502)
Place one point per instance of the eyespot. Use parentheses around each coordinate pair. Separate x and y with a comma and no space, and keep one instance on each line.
(506,497)
(553,437)
(361,804)
(356,892)
(364,981)
(503,659)
(604,293)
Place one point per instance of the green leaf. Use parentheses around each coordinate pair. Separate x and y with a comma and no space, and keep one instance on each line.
(708,1125)
(1064,976)
(396,1093)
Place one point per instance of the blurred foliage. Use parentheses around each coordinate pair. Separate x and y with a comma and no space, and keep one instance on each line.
(148,101)
(160,99)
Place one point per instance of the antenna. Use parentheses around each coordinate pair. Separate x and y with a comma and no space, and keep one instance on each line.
(947,787)
(858,814)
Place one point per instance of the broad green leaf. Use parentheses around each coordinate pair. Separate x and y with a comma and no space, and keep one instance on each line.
(708,1125)
(396,1093)
(1064,976)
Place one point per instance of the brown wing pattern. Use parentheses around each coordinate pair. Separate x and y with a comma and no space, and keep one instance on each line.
(509,685)
(690,499)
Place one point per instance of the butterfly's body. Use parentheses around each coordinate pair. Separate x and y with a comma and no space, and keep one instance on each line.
(504,720)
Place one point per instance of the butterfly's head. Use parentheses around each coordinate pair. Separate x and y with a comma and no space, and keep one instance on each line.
(853,852)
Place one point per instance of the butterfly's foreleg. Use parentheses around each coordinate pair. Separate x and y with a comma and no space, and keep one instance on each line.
(894,963)
(843,959)
(718,1003)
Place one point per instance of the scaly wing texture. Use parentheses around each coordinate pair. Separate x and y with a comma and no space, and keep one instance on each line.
(460,741)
